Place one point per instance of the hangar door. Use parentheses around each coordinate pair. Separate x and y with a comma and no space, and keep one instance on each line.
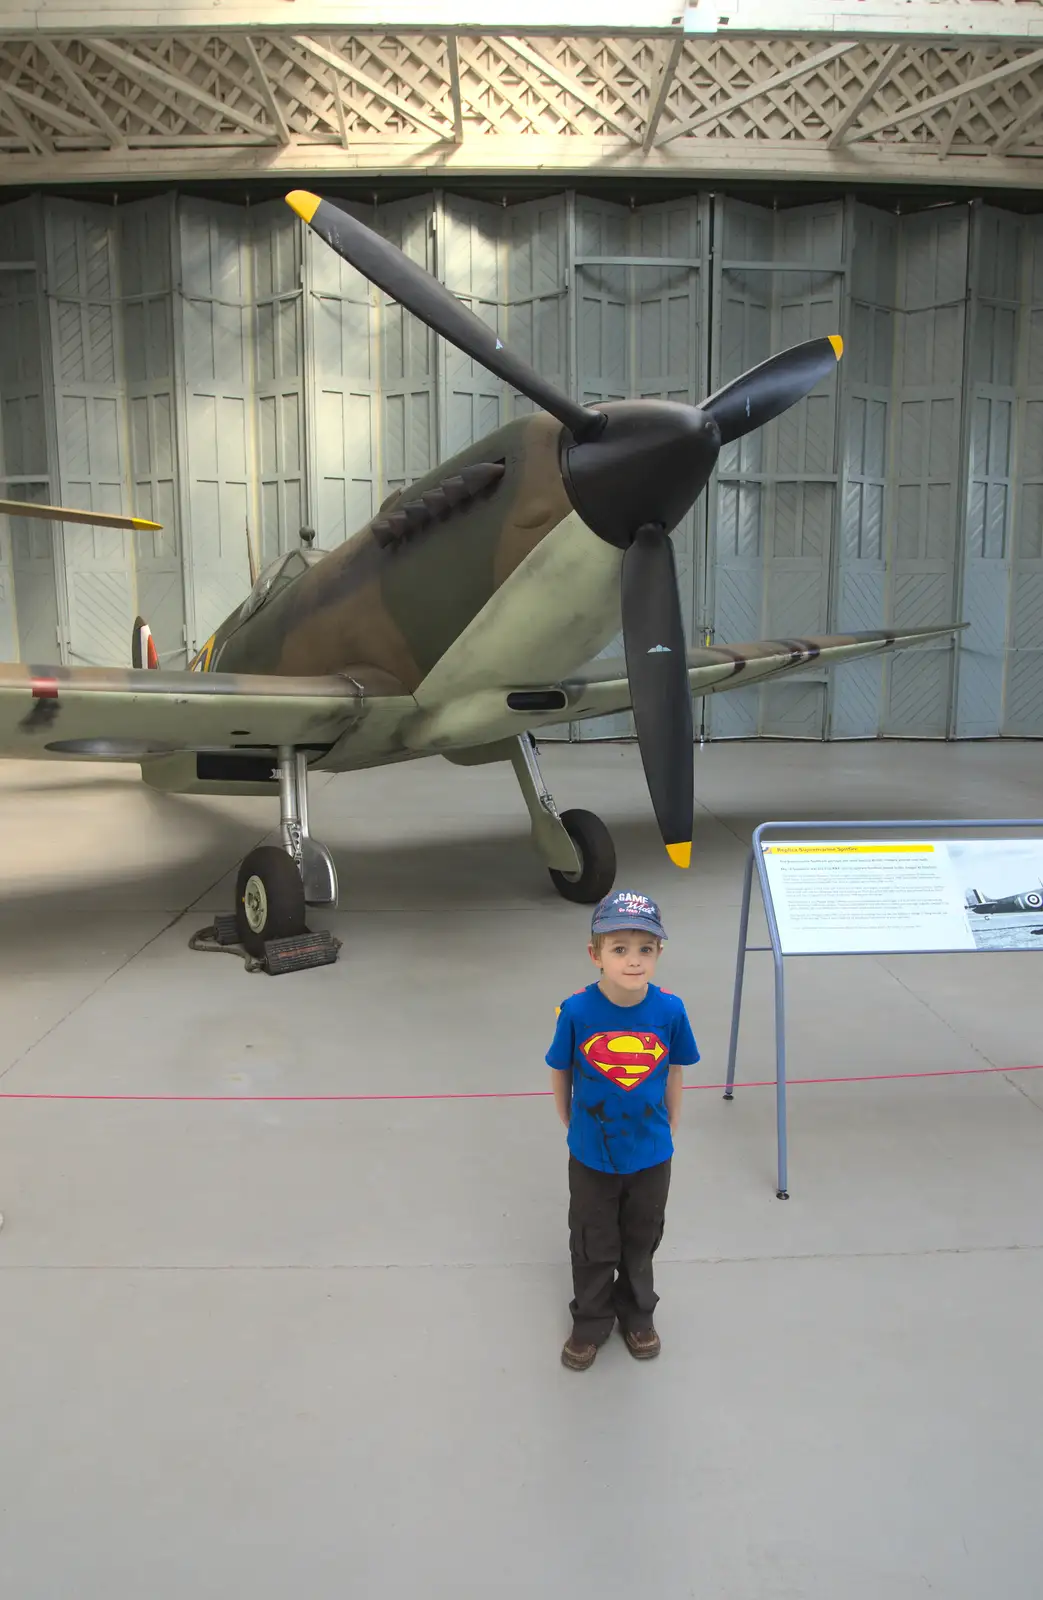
(778,280)
(639,321)
(907,490)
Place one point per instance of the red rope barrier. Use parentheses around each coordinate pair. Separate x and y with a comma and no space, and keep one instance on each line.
(485,1094)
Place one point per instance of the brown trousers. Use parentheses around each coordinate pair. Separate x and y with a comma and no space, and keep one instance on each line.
(616,1222)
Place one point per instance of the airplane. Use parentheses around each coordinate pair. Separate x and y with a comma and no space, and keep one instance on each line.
(1030,903)
(462,618)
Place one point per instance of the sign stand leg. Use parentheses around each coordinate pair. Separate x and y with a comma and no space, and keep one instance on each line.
(740,972)
(782,1192)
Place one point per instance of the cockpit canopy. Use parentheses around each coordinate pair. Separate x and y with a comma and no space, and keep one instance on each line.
(277,576)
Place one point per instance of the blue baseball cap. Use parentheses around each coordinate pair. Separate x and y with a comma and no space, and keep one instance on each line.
(627,909)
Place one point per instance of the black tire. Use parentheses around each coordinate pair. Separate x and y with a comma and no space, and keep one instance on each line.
(269,898)
(598,855)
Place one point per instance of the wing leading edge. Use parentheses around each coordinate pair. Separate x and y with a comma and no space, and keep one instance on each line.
(603,688)
(113,712)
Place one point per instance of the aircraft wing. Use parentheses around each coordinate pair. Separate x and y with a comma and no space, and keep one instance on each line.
(602,688)
(120,713)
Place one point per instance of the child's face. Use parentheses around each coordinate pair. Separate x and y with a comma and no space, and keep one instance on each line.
(627,959)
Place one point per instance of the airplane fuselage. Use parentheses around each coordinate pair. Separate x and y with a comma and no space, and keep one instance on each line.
(505,591)
(1028,904)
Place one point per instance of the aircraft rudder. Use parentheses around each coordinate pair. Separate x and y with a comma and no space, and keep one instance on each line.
(142,647)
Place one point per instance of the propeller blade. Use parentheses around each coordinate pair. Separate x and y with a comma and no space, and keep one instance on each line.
(778,383)
(653,638)
(385,265)
(99,519)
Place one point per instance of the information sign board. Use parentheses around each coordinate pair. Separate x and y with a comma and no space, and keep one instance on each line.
(847,897)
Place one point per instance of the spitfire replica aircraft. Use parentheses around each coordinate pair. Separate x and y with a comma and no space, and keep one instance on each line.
(465,614)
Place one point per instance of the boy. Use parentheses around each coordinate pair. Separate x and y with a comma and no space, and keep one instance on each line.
(616,1059)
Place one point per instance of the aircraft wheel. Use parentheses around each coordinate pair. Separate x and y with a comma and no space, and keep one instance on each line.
(269,898)
(598,855)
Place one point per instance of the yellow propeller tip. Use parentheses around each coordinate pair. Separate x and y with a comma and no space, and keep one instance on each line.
(838,345)
(144,526)
(680,854)
(303,203)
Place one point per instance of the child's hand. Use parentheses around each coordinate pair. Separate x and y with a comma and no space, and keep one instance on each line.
(674,1092)
(561,1085)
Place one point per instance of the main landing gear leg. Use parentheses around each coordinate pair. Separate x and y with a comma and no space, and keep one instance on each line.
(576,847)
(275,883)
(313,860)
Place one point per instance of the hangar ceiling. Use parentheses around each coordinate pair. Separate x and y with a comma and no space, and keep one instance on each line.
(901,91)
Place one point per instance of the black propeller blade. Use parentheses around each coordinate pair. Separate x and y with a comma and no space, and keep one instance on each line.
(778,383)
(385,265)
(653,638)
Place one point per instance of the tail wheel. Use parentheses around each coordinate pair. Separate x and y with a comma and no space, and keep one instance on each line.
(269,898)
(597,855)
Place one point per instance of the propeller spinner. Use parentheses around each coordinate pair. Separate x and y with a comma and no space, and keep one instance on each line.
(632,469)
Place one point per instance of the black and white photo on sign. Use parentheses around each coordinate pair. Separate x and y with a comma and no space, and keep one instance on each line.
(1002,881)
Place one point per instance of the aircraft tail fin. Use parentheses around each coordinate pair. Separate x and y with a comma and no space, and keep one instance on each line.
(975,897)
(142,648)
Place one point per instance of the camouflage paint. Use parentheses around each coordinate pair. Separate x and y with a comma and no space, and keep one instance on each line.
(398,608)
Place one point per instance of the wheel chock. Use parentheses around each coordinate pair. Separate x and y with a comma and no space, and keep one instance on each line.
(295,953)
(300,950)
(226,928)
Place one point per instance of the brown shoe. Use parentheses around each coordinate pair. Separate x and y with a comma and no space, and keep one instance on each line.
(643,1345)
(578,1355)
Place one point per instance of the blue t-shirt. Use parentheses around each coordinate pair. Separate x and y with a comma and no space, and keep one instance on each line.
(619,1057)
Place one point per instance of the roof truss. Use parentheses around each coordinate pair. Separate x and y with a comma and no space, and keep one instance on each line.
(669,100)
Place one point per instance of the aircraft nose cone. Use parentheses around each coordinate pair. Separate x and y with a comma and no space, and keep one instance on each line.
(647,466)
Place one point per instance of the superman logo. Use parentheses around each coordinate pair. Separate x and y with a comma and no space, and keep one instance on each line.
(625,1058)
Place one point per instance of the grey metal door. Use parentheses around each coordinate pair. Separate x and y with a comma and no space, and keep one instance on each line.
(343,392)
(29,627)
(639,310)
(149,373)
(83,292)
(213,324)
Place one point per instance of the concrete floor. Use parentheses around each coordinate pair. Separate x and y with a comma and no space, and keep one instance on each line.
(264,1347)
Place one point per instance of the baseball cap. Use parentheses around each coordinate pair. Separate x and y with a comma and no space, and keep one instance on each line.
(627,909)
